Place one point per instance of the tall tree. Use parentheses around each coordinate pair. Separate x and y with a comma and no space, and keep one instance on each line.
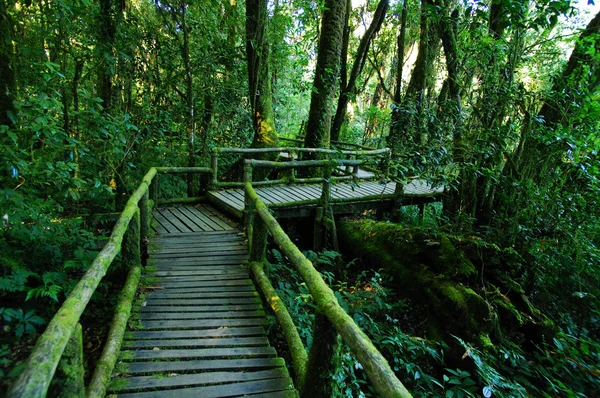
(7,75)
(349,89)
(259,74)
(414,101)
(326,75)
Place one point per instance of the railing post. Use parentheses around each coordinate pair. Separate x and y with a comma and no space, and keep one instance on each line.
(249,213)
(258,247)
(130,248)
(322,359)
(145,223)
(68,378)
(155,188)
(214,164)
(398,199)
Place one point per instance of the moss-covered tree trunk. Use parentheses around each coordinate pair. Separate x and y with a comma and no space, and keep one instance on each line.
(259,75)
(326,75)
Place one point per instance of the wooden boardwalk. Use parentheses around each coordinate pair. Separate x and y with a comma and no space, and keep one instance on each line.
(198,328)
(232,200)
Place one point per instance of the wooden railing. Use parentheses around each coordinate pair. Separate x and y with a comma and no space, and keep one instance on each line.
(259,223)
(61,344)
(336,144)
(351,160)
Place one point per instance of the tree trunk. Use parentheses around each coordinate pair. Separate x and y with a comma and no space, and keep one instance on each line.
(579,79)
(259,75)
(106,40)
(357,66)
(7,75)
(326,75)
(421,79)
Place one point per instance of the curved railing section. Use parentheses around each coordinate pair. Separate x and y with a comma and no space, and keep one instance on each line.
(259,223)
(349,163)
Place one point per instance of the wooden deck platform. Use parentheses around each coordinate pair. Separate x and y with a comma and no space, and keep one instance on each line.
(197,331)
(377,193)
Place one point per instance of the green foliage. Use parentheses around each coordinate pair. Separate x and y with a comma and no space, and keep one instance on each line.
(23,322)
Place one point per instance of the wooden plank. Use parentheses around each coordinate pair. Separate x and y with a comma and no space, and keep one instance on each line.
(217,251)
(276,195)
(214,364)
(226,200)
(209,289)
(203,271)
(192,308)
(202,323)
(276,394)
(195,333)
(294,194)
(205,283)
(158,228)
(207,267)
(199,234)
(151,382)
(208,342)
(174,220)
(218,215)
(199,278)
(187,221)
(150,316)
(165,223)
(206,219)
(202,353)
(167,294)
(204,226)
(267,197)
(212,216)
(233,196)
(221,390)
(199,237)
(232,259)
(217,301)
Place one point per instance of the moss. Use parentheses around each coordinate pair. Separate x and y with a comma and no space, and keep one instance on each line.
(453,261)
(118,383)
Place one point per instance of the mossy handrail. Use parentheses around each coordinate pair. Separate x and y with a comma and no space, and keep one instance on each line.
(300,140)
(376,366)
(133,222)
(334,157)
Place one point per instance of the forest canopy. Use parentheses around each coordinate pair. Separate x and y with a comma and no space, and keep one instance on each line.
(498,101)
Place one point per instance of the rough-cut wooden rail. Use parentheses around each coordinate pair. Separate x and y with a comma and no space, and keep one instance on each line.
(380,374)
(198,330)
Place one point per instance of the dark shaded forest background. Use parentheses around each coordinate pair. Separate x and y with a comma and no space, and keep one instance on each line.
(496,100)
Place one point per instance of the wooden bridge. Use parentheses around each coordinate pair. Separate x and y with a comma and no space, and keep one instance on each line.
(195,327)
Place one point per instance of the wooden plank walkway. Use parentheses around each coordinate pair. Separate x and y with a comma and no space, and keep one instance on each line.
(197,331)
(232,200)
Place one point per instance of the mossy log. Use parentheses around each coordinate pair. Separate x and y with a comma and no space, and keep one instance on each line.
(376,366)
(290,332)
(112,346)
(456,278)
(41,364)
